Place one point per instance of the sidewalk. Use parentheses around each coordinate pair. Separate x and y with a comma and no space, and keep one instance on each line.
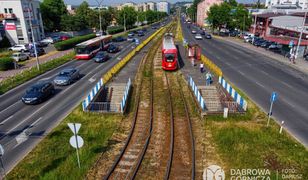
(300,64)
(32,62)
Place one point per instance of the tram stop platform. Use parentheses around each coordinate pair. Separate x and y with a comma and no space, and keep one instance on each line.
(213,98)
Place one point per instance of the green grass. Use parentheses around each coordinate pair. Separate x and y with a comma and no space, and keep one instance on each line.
(54,158)
(5,53)
(26,75)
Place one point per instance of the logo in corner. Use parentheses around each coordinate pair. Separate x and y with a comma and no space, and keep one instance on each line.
(213,172)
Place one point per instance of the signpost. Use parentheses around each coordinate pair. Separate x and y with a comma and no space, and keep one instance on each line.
(274,97)
(1,154)
(76,141)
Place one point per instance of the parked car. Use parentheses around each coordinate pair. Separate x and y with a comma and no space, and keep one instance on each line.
(39,44)
(198,36)
(119,39)
(193,32)
(154,27)
(99,33)
(20,56)
(67,76)
(40,51)
(20,47)
(113,48)
(266,44)
(38,92)
(64,37)
(47,40)
(208,36)
(258,41)
(101,57)
(275,47)
(202,33)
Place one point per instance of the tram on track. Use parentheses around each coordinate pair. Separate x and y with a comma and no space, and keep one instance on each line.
(169,53)
(86,50)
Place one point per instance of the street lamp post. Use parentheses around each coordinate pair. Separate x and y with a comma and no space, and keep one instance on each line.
(33,40)
(99,3)
(124,22)
(300,37)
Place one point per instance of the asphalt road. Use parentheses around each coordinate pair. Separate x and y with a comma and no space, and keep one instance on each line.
(258,76)
(23,126)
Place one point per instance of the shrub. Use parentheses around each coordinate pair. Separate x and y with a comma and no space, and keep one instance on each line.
(115,30)
(6,63)
(70,43)
(5,43)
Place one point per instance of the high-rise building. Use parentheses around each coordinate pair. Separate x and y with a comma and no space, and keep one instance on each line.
(16,16)
(202,9)
(151,5)
(163,6)
(287,4)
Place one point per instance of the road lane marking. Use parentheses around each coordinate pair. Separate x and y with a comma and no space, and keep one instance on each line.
(6,119)
(9,106)
(241,73)
(260,84)
(286,84)
(265,73)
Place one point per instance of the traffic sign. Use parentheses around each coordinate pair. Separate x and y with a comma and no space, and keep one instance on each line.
(76,141)
(274,96)
(74,127)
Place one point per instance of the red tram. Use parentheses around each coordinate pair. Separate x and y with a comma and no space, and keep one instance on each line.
(169,53)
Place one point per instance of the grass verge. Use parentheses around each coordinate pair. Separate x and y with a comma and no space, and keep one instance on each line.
(26,75)
(244,142)
(54,158)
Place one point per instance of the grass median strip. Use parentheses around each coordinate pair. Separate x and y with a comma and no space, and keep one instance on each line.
(244,142)
(26,75)
(54,158)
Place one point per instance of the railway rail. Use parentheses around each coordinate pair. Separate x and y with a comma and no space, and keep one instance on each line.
(128,162)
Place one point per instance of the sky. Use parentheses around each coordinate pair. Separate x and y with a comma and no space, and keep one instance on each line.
(112,2)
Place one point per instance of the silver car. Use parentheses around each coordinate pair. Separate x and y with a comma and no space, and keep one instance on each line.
(66,77)
(20,56)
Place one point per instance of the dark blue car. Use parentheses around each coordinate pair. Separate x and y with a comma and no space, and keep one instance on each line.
(38,92)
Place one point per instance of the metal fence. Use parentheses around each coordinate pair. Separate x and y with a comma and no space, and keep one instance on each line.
(104,107)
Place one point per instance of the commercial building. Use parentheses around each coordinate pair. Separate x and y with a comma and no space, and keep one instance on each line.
(287,4)
(163,6)
(16,16)
(281,26)
(202,9)
(149,6)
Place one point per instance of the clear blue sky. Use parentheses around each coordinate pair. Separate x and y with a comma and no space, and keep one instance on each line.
(111,2)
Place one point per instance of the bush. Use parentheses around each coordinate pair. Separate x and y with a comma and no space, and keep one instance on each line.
(5,43)
(115,30)
(6,63)
(70,43)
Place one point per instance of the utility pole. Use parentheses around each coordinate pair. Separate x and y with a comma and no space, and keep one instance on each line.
(255,25)
(33,40)
(99,3)
(124,22)
(300,37)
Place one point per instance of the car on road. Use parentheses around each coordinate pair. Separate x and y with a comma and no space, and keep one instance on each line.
(193,32)
(19,56)
(39,44)
(119,39)
(47,40)
(67,76)
(65,37)
(198,36)
(40,51)
(101,57)
(38,92)
(202,33)
(113,48)
(208,36)
(140,33)
(19,47)
(130,38)
(154,27)
(131,34)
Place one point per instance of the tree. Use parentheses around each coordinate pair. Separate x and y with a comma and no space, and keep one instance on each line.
(219,15)
(52,11)
(242,18)
(130,16)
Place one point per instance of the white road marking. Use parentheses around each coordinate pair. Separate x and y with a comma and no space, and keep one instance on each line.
(6,119)
(264,72)
(35,122)
(9,131)
(259,84)
(286,84)
(10,106)
(241,73)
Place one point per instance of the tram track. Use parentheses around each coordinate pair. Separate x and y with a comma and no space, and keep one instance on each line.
(130,158)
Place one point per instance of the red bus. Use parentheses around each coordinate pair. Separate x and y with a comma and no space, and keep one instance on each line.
(86,50)
(169,53)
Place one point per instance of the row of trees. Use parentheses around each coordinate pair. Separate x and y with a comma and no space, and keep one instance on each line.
(228,14)
(56,17)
